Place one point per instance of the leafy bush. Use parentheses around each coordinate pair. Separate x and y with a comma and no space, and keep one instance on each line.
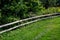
(9,19)
(53,10)
(58,9)
(0,14)
(12,10)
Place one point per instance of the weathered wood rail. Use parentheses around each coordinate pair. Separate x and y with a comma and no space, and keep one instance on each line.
(39,18)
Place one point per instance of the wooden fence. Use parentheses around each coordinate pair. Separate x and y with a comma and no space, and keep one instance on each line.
(39,18)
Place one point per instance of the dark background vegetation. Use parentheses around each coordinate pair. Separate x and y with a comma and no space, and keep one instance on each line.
(12,10)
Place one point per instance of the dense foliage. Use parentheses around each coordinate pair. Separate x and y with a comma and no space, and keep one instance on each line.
(20,8)
(12,10)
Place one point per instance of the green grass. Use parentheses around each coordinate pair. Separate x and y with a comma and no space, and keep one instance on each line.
(48,29)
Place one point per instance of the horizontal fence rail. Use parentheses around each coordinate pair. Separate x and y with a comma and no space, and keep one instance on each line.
(22,20)
(47,16)
(26,19)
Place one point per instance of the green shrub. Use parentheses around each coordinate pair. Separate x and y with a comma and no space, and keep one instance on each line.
(9,19)
(53,10)
(0,14)
(12,10)
(58,9)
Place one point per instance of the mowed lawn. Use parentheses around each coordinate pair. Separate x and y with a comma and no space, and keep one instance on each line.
(48,29)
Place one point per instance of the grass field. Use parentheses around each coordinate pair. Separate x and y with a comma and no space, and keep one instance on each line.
(48,29)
